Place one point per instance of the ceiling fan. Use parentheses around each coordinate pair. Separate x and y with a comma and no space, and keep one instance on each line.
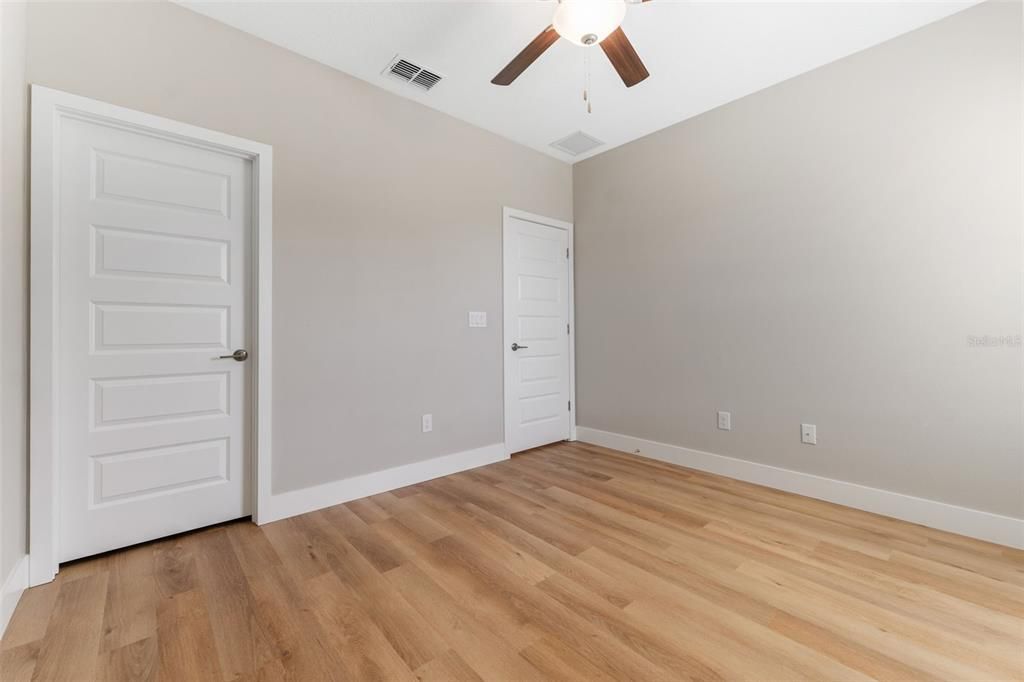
(584,23)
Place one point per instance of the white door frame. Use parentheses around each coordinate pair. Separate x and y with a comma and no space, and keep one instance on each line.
(507,214)
(49,107)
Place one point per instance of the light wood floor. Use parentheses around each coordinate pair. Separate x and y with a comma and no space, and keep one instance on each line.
(566,562)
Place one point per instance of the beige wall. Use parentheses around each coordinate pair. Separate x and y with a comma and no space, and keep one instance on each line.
(820,252)
(387,228)
(13,288)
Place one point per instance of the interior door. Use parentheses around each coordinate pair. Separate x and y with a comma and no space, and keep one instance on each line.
(154,261)
(536,283)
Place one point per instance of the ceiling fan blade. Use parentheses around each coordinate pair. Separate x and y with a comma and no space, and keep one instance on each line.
(624,58)
(528,56)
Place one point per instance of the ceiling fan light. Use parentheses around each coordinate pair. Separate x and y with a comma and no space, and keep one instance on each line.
(588,22)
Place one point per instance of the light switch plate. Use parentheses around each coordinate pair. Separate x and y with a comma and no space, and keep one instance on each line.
(477,319)
(809,434)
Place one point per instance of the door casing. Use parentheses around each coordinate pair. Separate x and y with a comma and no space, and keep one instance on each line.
(49,107)
(506,215)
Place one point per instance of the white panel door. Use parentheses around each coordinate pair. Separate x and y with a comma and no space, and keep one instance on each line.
(154,262)
(536,282)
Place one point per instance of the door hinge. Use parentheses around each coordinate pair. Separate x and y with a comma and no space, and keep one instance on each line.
(570,406)
(566,252)
(566,327)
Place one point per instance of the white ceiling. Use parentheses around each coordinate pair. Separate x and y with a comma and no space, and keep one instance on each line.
(700,55)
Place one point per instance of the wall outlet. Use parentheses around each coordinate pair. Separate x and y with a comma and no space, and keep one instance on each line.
(477,319)
(428,423)
(725,421)
(809,434)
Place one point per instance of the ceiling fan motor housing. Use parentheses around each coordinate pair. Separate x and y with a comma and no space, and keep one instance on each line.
(588,22)
(585,23)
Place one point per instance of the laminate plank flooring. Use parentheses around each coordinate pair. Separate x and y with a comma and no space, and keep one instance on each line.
(566,562)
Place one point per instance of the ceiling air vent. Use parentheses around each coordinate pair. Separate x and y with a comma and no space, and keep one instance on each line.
(577,143)
(412,73)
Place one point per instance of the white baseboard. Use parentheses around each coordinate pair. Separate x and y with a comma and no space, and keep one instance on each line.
(13,587)
(1003,530)
(294,502)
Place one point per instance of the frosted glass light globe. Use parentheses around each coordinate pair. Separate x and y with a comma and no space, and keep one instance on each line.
(588,22)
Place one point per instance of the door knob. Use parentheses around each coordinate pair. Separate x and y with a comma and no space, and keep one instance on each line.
(516,346)
(239,355)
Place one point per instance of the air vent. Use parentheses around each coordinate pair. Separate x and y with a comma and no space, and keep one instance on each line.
(426,79)
(413,74)
(577,143)
(404,70)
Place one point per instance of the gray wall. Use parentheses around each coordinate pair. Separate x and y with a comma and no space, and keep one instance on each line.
(820,252)
(387,228)
(13,288)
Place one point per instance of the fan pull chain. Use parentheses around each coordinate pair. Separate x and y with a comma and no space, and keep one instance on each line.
(587,95)
(584,76)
